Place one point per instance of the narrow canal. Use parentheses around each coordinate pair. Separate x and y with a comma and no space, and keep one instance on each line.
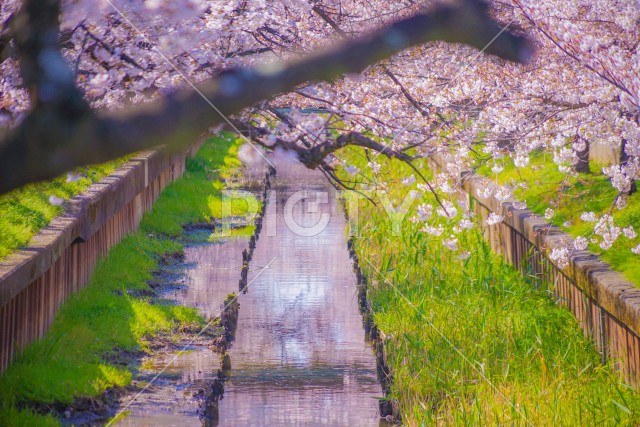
(300,356)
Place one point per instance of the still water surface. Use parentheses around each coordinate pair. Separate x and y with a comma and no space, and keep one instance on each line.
(300,356)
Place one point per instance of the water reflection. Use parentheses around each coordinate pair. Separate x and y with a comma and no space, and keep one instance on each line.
(300,356)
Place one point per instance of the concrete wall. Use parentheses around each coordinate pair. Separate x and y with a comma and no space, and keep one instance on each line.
(605,154)
(35,281)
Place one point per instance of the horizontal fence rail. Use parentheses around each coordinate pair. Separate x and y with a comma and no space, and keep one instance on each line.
(35,281)
(606,305)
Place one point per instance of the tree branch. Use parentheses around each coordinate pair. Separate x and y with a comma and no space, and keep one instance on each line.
(322,14)
(126,58)
(326,18)
(62,132)
(405,92)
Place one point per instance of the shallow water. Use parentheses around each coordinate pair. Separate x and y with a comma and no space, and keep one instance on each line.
(300,356)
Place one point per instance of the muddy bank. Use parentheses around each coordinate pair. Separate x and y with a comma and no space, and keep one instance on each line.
(96,411)
(183,384)
(168,286)
(167,280)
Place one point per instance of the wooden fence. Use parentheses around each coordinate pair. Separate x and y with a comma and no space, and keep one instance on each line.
(598,297)
(606,305)
(35,281)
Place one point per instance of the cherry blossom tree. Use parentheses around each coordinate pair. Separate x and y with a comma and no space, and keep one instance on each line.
(88,80)
(582,86)
(186,66)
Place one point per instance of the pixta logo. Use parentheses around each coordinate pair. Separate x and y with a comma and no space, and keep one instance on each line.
(306,212)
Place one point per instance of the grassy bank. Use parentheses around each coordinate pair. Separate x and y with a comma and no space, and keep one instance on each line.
(546,187)
(27,210)
(469,341)
(78,356)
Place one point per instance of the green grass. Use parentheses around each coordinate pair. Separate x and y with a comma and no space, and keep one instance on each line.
(104,318)
(547,187)
(27,210)
(471,342)
(199,198)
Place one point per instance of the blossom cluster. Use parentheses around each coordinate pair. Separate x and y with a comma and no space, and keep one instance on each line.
(581,87)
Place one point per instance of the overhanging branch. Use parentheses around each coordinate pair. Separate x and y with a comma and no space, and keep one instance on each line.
(52,139)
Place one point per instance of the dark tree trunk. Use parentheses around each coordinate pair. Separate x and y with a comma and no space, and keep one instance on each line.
(582,166)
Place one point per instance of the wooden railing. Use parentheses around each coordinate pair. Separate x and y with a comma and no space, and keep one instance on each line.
(606,305)
(35,281)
